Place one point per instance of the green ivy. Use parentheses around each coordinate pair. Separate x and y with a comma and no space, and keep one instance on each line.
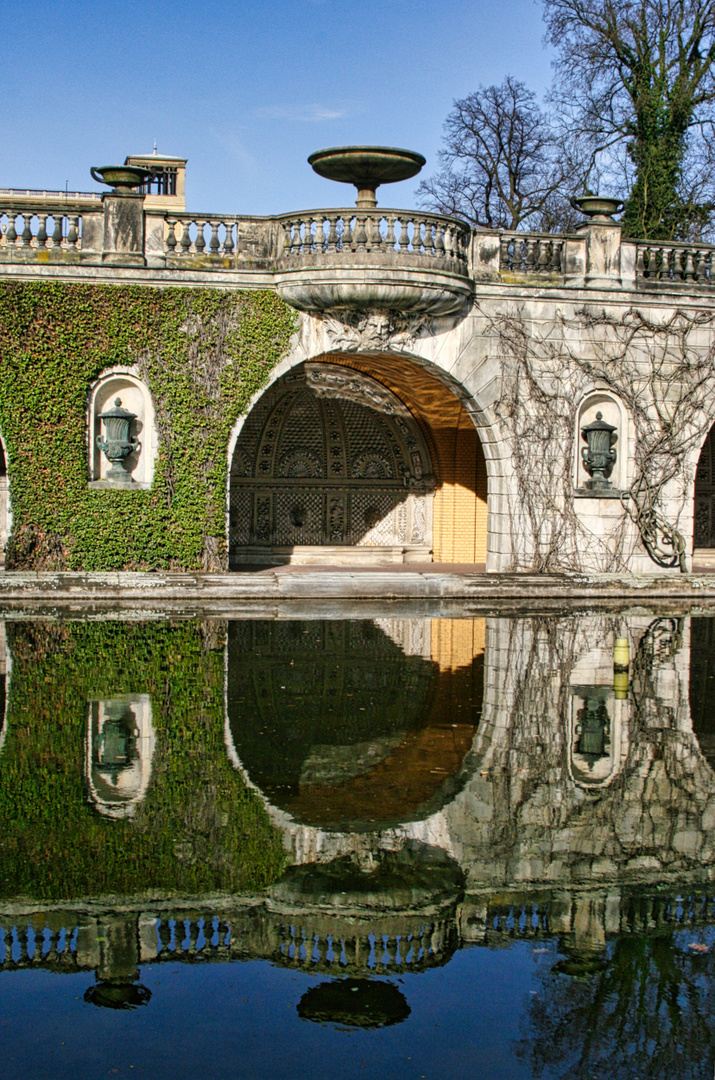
(203,354)
(199,829)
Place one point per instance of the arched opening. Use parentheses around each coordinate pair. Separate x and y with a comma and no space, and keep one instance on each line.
(427,502)
(704,517)
(4,505)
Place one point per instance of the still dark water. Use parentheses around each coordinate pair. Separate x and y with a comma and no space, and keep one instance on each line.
(416,848)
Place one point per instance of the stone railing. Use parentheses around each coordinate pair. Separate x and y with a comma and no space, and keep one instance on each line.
(531,253)
(27,231)
(393,235)
(221,240)
(689,264)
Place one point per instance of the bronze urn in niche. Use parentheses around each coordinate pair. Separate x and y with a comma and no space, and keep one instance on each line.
(598,457)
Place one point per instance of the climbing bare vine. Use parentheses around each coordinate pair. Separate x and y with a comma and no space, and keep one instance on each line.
(662,372)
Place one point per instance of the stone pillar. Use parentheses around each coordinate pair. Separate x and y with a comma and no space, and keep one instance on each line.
(603,253)
(123,232)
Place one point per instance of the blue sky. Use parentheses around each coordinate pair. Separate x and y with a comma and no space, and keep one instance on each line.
(247,89)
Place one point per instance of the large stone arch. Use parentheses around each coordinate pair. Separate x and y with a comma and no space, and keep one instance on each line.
(330,466)
(704,496)
(470,519)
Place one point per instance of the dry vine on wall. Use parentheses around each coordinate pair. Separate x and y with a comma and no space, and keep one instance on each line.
(662,372)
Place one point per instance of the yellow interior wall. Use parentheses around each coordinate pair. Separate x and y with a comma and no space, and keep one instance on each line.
(460,502)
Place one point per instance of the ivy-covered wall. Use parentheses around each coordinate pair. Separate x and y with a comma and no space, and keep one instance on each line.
(202,352)
(198,829)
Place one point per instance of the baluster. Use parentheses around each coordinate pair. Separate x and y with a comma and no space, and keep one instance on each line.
(332,244)
(402,240)
(374,238)
(200,241)
(557,247)
(360,235)
(698,263)
(57,231)
(214,242)
(641,270)
(439,248)
(319,236)
(73,237)
(677,256)
(11,235)
(228,244)
(416,237)
(530,255)
(653,261)
(705,268)
(390,238)
(689,271)
(42,230)
(170,239)
(26,235)
(542,266)
(504,257)
(664,265)
(185,241)
(344,238)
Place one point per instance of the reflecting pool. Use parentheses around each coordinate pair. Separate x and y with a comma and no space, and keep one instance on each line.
(415,847)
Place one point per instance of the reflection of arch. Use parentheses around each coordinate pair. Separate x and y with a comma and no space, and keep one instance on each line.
(119,751)
(704,523)
(702,684)
(330,459)
(135,397)
(341,728)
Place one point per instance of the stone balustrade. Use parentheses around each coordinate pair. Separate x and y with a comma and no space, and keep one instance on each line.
(216,240)
(531,253)
(30,233)
(200,235)
(668,264)
(350,234)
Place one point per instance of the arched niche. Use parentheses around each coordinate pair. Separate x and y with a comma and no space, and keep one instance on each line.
(118,753)
(704,509)
(330,466)
(613,413)
(134,395)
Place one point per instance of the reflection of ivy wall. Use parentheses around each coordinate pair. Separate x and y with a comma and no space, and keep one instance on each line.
(203,353)
(199,829)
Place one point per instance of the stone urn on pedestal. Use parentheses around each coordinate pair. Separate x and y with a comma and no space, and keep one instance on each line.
(118,444)
(599,457)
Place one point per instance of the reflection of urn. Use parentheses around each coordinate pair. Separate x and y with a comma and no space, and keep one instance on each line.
(599,455)
(593,726)
(118,444)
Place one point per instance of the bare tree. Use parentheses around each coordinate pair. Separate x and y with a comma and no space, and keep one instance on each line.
(501,166)
(634,92)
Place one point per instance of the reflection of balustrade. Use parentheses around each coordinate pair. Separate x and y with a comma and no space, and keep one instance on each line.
(530,253)
(430,944)
(675,263)
(29,231)
(392,235)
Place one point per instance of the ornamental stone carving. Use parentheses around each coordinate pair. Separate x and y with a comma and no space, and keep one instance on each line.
(375,331)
